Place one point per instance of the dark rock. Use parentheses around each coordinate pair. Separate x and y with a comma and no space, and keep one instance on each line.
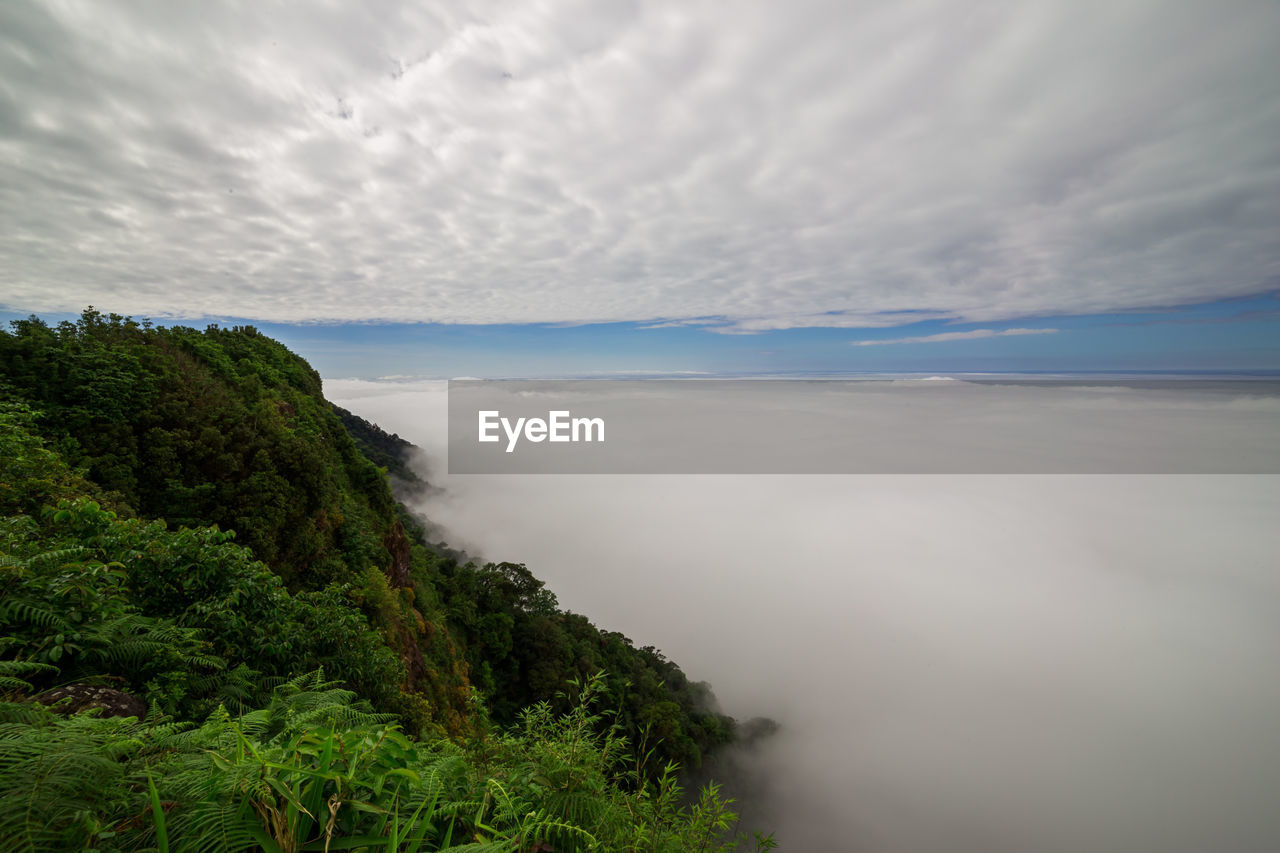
(83,697)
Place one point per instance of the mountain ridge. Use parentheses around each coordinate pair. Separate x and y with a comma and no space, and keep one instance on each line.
(227,427)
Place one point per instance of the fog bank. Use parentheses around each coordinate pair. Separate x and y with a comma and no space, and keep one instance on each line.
(959,663)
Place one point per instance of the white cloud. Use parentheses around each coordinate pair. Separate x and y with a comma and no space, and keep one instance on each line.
(956,336)
(773,165)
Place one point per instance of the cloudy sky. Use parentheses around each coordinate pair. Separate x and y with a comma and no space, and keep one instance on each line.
(977,182)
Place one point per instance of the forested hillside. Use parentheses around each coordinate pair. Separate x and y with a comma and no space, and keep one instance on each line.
(189,534)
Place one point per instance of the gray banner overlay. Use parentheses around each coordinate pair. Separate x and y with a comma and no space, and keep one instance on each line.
(1078,426)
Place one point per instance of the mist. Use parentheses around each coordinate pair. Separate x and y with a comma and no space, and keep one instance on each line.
(958,663)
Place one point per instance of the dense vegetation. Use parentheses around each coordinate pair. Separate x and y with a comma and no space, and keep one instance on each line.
(521,648)
(185,519)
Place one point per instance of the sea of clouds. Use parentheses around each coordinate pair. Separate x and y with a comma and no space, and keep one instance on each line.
(981,663)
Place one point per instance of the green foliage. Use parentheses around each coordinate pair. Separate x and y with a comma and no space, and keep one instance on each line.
(285,553)
(63,780)
(170,612)
(223,427)
(386,450)
(224,433)
(71,614)
(522,649)
(316,770)
(31,475)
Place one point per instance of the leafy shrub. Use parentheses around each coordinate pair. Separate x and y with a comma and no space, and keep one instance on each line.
(314,769)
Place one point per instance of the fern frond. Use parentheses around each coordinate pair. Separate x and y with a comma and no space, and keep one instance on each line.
(21,611)
(12,672)
(58,557)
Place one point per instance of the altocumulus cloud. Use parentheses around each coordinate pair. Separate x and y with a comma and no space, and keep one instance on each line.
(766,165)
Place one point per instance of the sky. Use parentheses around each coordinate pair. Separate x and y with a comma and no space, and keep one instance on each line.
(563,187)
